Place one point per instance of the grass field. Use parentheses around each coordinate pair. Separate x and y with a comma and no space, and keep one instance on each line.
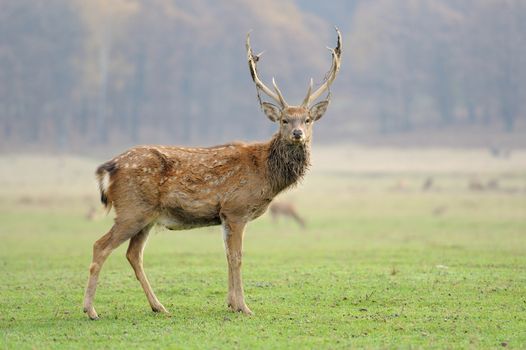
(381,264)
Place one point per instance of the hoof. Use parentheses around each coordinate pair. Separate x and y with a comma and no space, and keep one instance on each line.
(243,309)
(246,311)
(160,308)
(92,314)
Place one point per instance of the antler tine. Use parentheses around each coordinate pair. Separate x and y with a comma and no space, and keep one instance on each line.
(252,60)
(335,67)
(306,100)
(280,95)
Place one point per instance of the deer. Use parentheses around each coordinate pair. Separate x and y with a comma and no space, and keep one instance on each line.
(285,209)
(228,185)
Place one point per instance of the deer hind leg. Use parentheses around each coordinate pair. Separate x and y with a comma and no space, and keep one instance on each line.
(135,257)
(233,238)
(298,219)
(102,248)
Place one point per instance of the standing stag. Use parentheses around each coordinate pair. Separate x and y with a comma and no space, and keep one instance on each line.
(229,185)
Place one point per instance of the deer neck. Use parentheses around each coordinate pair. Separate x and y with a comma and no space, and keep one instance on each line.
(287,163)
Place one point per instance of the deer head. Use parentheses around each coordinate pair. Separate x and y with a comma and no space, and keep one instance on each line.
(295,121)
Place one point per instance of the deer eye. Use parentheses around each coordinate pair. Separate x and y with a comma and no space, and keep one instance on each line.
(307,121)
(284,121)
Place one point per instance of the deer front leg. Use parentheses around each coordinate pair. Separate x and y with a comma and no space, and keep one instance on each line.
(233,238)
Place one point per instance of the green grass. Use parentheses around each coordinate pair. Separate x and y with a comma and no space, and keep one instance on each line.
(376,268)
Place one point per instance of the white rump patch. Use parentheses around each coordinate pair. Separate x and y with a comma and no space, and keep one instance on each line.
(105,182)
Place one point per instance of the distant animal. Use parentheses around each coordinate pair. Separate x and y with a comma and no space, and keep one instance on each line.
(493,184)
(228,185)
(441,209)
(285,209)
(475,184)
(428,183)
(499,152)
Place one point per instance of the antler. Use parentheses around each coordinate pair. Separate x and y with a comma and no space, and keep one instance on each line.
(331,75)
(252,60)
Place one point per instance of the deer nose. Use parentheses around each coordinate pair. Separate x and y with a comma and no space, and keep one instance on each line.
(297,134)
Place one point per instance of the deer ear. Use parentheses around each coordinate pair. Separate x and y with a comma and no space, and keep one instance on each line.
(271,111)
(318,110)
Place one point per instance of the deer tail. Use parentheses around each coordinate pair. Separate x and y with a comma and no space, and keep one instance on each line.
(104,175)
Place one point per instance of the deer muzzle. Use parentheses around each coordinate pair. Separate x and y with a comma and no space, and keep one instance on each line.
(297,135)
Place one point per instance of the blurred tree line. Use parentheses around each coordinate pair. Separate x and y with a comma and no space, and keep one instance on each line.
(80,75)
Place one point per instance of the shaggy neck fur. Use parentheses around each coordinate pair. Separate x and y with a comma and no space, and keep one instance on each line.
(287,163)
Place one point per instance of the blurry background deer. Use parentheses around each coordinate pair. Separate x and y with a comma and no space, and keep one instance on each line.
(286,210)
